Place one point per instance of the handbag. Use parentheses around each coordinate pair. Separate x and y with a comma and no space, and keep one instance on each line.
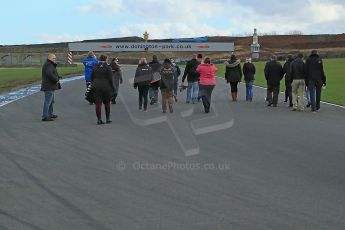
(89,94)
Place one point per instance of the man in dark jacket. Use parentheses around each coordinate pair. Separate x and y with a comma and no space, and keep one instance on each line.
(50,83)
(298,82)
(273,74)
(288,81)
(167,85)
(153,91)
(316,78)
(249,73)
(193,80)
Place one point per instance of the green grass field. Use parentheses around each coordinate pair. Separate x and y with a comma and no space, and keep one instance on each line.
(11,78)
(335,74)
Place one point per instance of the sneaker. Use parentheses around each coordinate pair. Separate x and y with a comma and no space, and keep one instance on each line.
(108,121)
(53,116)
(308,105)
(294,109)
(100,122)
(47,119)
(175,98)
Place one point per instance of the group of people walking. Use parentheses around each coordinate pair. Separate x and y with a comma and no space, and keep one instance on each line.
(200,75)
(103,80)
(301,77)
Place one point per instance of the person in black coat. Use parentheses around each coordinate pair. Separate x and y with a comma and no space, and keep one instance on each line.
(142,81)
(102,82)
(273,74)
(249,72)
(288,80)
(168,72)
(50,83)
(316,78)
(153,90)
(192,78)
(233,75)
(117,78)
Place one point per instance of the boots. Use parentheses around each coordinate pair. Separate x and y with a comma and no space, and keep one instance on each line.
(234,96)
(108,120)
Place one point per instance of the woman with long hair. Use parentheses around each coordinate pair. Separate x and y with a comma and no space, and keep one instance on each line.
(102,82)
(142,81)
(233,75)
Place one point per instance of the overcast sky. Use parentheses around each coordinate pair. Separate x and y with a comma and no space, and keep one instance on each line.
(37,21)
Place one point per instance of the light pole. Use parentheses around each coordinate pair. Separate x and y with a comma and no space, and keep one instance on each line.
(146,37)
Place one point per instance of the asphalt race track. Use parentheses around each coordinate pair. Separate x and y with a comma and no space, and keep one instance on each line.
(243,166)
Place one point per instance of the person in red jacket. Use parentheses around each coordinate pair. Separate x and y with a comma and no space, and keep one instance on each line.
(207,82)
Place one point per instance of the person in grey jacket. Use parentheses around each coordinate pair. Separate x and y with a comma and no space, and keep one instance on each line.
(50,83)
(117,78)
(177,74)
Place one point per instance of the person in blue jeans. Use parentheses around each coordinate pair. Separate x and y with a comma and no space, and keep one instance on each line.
(307,92)
(50,83)
(249,72)
(316,79)
(193,80)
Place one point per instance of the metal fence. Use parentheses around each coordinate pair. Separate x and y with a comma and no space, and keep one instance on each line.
(29,59)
